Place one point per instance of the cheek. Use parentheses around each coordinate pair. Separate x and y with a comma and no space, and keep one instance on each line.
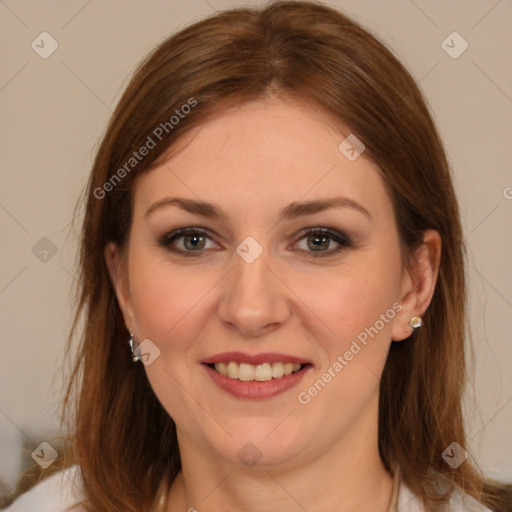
(169,311)
(356,303)
(359,308)
(166,301)
(163,298)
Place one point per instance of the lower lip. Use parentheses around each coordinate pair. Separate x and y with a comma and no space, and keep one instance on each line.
(255,389)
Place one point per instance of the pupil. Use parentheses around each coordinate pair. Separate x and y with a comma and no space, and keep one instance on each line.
(194,241)
(324,241)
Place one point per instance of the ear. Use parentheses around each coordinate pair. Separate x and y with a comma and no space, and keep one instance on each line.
(418,284)
(118,272)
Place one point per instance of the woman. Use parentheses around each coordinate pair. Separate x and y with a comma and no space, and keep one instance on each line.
(271,224)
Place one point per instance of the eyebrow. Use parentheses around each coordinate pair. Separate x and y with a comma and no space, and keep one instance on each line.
(292,211)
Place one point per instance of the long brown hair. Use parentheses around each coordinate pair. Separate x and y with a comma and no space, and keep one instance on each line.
(123,440)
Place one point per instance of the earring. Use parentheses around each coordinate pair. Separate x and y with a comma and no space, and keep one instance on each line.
(415,322)
(131,342)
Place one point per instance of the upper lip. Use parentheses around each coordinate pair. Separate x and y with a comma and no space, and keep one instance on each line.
(255,359)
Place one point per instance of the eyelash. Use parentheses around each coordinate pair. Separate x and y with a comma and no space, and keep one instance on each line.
(340,238)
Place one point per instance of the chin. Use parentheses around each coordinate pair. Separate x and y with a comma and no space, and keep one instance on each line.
(262,447)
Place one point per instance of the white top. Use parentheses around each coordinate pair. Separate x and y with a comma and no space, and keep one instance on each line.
(62,490)
(56,493)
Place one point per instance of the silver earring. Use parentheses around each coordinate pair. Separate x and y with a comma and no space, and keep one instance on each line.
(131,342)
(415,322)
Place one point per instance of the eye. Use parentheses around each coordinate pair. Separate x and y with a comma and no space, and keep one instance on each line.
(319,240)
(187,241)
(194,241)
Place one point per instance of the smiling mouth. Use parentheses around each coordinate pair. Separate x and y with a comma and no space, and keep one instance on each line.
(261,372)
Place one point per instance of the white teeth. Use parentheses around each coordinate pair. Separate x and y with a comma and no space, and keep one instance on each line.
(260,372)
(263,372)
(277,370)
(233,370)
(288,368)
(246,371)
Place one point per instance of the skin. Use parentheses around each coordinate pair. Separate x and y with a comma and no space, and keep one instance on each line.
(251,162)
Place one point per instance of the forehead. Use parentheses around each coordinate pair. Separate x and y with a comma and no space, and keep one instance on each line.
(264,154)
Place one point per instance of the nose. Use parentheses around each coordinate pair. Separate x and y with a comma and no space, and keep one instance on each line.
(255,301)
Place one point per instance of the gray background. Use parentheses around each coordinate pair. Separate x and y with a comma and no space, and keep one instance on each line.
(54,111)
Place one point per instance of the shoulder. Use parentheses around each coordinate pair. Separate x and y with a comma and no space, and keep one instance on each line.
(61,492)
(459,502)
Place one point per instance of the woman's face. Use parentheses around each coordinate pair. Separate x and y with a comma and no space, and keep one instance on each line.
(265,275)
